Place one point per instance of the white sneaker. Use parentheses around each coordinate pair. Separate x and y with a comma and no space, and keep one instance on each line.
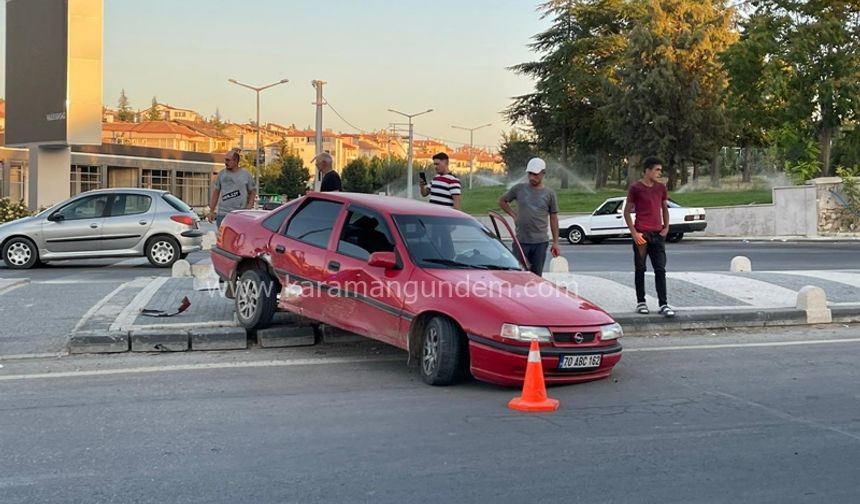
(642,309)
(666,311)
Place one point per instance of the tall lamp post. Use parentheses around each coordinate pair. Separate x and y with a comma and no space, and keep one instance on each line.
(472,145)
(257,89)
(409,174)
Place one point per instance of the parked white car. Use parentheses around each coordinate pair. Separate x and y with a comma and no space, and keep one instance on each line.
(608,222)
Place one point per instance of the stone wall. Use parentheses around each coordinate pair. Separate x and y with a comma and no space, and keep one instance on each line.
(834,218)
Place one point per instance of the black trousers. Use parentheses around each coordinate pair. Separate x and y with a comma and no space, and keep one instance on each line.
(654,248)
(535,256)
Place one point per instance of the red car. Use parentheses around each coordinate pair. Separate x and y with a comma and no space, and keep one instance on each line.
(426,278)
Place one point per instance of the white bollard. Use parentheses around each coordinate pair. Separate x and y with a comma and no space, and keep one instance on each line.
(813,301)
(201,270)
(181,269)
(559,265)
(741,264)
(208,240)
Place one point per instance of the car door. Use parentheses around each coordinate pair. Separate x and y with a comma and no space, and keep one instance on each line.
(608,219)
(76,228)
(128,219)
(299,253)
(363,298)
(505,234)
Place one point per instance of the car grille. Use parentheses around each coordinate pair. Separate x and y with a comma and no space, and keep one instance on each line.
(570,337)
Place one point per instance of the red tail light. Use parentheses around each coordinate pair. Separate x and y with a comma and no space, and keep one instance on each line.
(183,219)
(689,217)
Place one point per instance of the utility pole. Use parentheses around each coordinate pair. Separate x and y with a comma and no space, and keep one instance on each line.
(409,174)
(257,89)
(472,146)
(318,85)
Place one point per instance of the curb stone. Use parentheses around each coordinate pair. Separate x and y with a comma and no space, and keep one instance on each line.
(286,336)
(159,340)
(98,342)
(639,324)
(219,338)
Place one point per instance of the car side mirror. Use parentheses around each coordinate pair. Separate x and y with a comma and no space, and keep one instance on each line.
(385,260)
(56,217)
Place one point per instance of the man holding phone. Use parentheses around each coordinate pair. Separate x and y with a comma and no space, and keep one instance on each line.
(445,187)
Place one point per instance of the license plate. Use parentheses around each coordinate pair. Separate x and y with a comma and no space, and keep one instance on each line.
(578,361)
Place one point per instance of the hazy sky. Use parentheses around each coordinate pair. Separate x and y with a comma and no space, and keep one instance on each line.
(410,55)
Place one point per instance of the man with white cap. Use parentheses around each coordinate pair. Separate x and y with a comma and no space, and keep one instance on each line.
(535,202)
(330,178)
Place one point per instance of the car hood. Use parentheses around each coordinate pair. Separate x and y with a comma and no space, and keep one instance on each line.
(519,297)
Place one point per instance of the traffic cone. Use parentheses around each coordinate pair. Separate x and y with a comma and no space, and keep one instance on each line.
(533,399)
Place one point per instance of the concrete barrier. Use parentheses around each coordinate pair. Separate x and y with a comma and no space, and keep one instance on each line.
(181,269)
(813,301)
(208,240)
(740,264)
(559,265)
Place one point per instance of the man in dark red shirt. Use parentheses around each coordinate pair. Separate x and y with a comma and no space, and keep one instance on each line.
(648,198)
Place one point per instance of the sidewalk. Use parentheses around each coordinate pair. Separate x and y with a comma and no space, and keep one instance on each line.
(702,300)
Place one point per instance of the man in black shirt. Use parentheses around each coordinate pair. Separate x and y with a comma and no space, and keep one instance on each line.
(330,178)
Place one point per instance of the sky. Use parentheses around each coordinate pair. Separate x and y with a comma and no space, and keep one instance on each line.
(408,55)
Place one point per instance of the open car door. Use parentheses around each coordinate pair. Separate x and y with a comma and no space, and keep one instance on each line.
(505,234)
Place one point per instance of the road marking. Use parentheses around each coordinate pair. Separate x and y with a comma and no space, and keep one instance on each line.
(137,282)
(33,356)
(129,314)
(744,345)
(843,277)
(201,367)
(755,292)
(7,285)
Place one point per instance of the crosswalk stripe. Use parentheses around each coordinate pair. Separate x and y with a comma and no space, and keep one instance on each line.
(755,292)
(843,277)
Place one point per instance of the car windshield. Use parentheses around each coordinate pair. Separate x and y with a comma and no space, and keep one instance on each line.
(453,243)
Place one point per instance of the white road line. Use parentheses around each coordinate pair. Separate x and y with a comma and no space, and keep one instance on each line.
(843,277)
(128,315)
(96,307)
(33,356)
(200,367)
(7,285)
(745,345)
(755,292)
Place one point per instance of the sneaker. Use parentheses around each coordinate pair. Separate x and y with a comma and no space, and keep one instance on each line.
(642,309)
(666,311)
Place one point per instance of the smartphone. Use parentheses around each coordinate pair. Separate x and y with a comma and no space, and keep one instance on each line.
(423,177)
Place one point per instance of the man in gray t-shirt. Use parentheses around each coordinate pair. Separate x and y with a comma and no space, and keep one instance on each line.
(535,202)
(234,189)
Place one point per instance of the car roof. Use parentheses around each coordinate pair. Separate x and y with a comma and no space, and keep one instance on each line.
(125,189)
(389,204)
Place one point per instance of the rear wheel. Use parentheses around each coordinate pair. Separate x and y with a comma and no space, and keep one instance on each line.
(163,251)
(575,235)
(256,299)
(674,237)
(440,351)
(20,253)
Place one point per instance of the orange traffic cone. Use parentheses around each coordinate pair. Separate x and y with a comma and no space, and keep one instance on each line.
(533,399)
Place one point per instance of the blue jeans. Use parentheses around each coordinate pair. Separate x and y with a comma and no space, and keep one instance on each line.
(535,256)
(218,219)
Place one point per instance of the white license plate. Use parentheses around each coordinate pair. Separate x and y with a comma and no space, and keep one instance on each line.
(578,361)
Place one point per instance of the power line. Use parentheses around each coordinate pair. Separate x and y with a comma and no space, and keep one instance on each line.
(353,126)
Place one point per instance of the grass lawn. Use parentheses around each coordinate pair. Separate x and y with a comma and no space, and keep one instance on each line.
(480,199)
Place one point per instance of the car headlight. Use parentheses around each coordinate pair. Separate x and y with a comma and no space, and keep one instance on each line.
(611,331)
(525,333)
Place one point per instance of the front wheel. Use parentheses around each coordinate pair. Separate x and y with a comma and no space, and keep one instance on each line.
(256,299)
(20,253)
(163,251)
(674,237)
(440,351)
(575,235)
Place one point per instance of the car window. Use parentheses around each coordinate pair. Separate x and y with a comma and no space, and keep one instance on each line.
(313,223)
(453,242)
(609,208)
(672,204)
(274,221)
(363,234)
(85,208)
(176,203)
(130,204)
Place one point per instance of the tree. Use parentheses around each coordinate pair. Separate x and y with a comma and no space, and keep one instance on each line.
(356,177)
(516,150)
(668,101)
(124,112)
(291,179)
(216,121)
(153,114)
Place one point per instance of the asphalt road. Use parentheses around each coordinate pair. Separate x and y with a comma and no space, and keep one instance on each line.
(680,421)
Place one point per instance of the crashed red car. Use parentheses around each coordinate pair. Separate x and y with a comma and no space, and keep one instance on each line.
(426,278)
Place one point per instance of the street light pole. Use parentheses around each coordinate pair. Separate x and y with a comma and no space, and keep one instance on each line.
(409,174)
(471,146)
(257,89)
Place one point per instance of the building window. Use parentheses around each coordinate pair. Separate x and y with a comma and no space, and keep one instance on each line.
(84,178)
(193,188)
(155,179)
(17,182)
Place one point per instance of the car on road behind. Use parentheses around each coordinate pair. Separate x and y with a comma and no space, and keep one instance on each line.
(425,278)
(105,223)
(607,221)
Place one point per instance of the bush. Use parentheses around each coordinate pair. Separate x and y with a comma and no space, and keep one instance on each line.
(12,210)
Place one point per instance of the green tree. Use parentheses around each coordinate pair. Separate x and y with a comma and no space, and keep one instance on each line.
(124,112)
(668,101)
(516,150)
(291,178)
(356,177)
(153,114)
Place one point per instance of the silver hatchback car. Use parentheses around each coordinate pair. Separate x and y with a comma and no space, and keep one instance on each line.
(105,223)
